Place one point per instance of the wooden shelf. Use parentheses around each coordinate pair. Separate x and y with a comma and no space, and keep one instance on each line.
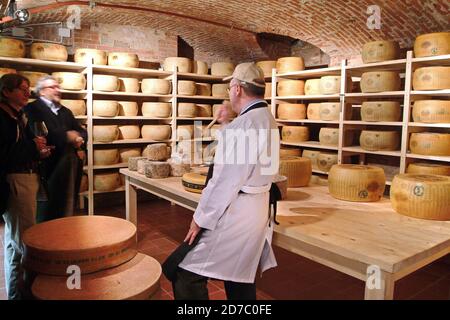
(424,157)
(131,94)
(443,60)
(357,149)
(309,144)
(305,97)
(393,65)
(112,166)
(311,74)
(86,193)
(429,125)
(129,72)
(130,141)
(388,94)
(373,123)
(319,171)
(199,77)
(434,93)
(202,98)
(196,118)
(18,62)
(81,117)
(309,121)
(204,139)
(129,118)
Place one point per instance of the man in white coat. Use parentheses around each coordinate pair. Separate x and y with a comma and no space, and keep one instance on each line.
(233,212)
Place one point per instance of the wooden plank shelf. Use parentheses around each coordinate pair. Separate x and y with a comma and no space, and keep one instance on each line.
(202,98)
(393,65)
(309,144)
(111,166)
(425,157)
(311,97)
(130,141)
(429,125)
(309,121)
(130,72)
(86,193)
(131,94)
(130,118)
(319,171)
(33,63)
(311,74)
(434,93)
(196,118)
(373,123)
(443,60)
(357,149)
(199,77)
(389,94)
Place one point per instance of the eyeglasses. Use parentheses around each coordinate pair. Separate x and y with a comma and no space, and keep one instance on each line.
(55,86)
(234,85)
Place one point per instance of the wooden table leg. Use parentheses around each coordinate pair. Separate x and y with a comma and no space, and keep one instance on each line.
(130,201)
(379,286)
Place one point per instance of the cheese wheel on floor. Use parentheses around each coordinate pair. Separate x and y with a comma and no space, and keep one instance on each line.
(187,110)
(291,111)
(330,85)
(105,108)
(326,160)
(294,134)
(128,108)
(78,107)
(358,183)
(157,109)
(200,67)
(203,89)
(380,81)
(291,88)
(431,111)
(428,168)
(123,59)
(127,153)
(94,56)
(179,64)
(430,143)
(105,157)
(156,132)
(157,152)
(377,51)
(312,87)
(129,132)
(379,140)
(156,86)
(48,51)
(290,152)
(421,196)
(380,111)
(313,155)
(290,64)
(105,133)
(70,80)
(298,171)
(432,44)
(193,182)
(329,136)
(222,69)
(101,242)
(157,169)
(13,48)
(32,76)
(431,78)
(313,111)
(267,66)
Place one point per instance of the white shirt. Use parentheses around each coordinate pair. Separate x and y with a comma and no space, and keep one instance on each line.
(54,107)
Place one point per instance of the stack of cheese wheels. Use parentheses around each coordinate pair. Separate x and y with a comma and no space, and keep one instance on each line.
(379,140)
(128,132)
(432,44)
(127,153)
(431,111)
(291,111)
(186,88)
(70,80)
(430,143)
(330,84)
(203,89)
(298,171)
(326,160)
(268,90)
(380,111)
(104,157)
(380,81)
(291,88)
(156,132)
(193,182)
(312,87)
(32,76)
(157,152)
(48,51)
(204,110)
(200,67)
(107,181)
(4,71)
(78,107)
(13,48)
(123,59)
(290,152)
(105,133)
(219,90)
(222,69)
(267,66)
(313,155)
(129,85)
(157,169)
(329,111)
(187,110)
(377,51)
(128,108)
(428,168)
(157,109)
(179,64)
(313,111)
(329,136)
(94,56)
(105,83)
(294,133)
(431,78)
(356,182)
(156,86)
(185,132)
(421,196)
(290,64)
(105,108)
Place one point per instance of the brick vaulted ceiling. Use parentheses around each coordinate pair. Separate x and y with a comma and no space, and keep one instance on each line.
(338,27)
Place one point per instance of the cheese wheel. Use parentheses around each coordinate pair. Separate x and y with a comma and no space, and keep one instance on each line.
(141,163)
(127,153)
(312,87)
(200,67)
(430,143)
(321,181)
(32,76)
(298,171)
(13,48)
(431,78)
(186,88)
(128,108)
(377,51)
(268,90)
(290,64)
(222,69)
(133,162)
(313,155)
(220,90)
(380,111)
(204,110)
(294,134)
(105,157)
(203,89)
(421,196)
(157,109)
(330,85)
(380,81)
(313,111)
(156,132)
(157,152)
(290,152)
(267,66)
(431,111)
(282,184)
(94,56)
(432,44)
(326,160)
(70,80)
(193,182)
(48,51)
(4,71)
(78,107)
(185,132)
(329,136)
(105,83)
(105,133)
(428,168)
(137,279)
(129,132)
(93,243)
(187,110)
(156,86)
(379,140)
(157,170)
(329,111)
(179,64)
(105,108)
(291,88)
(358,183)
(129,85)
(106,181)
(123,59)
(178,168)
(291,111)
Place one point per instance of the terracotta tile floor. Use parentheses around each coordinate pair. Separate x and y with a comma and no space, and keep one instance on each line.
(162,226)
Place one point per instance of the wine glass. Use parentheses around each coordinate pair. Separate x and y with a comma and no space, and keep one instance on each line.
(40,129)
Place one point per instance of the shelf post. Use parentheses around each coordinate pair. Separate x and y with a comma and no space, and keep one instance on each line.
(406,111)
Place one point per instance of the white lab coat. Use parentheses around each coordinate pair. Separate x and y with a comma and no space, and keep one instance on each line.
(239,231)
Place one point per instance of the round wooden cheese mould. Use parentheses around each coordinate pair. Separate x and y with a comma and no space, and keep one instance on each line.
(431,111)
(282,184)
(330,85)
(193,182)
(358,183)
(290,64)
(93,243)
(379,140)
(156,132)
(32,76)
(157,152)
(107,181)
(329,111)
(267,66)
(185,132)
(298,171)
(179,64)
(105,157)
(203,89)
(204,110)
(268,90)
(222,69)
(186,88)
(329,136)
(157,109)
(13,48)
(48,51)
(137,279)
(431,78)
(430,143)
(421,196)
(432,44)
(70,80)
(123,59)
(313,111)
(105,83)
(4,71)
(313,155)
(94,56)
(291,111)
(291,88)
(128,108)
(326,160)
(105,133)
(200,67)
(220,90)
(129,132)
(157,169)
(428,168)
(294,134)
(187,110)
(156,86)
(312,87)
(127,153)
(78,107)
(129,85)
(105,108)
(290,152)
(377,51)
(380,111)
(380,81)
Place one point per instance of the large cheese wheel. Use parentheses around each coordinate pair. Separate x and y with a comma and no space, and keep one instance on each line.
(329,111)
(193,182)
(156,86)
(430,143)
(187,110)
(105,108)
(157,109)
(104,157)
(356,182)
(267,66)
(123,59)
(179,64)
(107,181)
(105,83)
(185,132)
(313,111)
(330,84)
(290,64)
(128,108)
(377,51)
(94,56)
(291,111)
(92,243)
(222,69)
(4,71)
(290,152)
(379,140)
(129,132)
(380,81)
(137,279)
(204,110)
(133,162)
(186,88)
(298,171)
(380,111)
(421,196)
(32,76)
(12,48)
(48,51)
(432,44)
(203,89)
(431,111)
(200,67)
(268,90)
(78,107)
(428,168)
(127,153)
(70,80)
(312,87)
(157,169)
(220,90)
(105,133)
(129,85)
(294,134)
(329,136)
(431,78)
(291,88)
(313,155)
(156,132)
(157,152)
(326,160)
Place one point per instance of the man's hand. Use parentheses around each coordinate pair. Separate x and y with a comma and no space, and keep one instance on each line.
(41,145)
(81,154)
(193,232)
(224,113)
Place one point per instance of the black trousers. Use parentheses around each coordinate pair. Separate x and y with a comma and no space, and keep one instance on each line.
(191,286)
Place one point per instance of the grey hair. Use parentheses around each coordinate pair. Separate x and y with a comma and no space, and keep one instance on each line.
(40,83)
